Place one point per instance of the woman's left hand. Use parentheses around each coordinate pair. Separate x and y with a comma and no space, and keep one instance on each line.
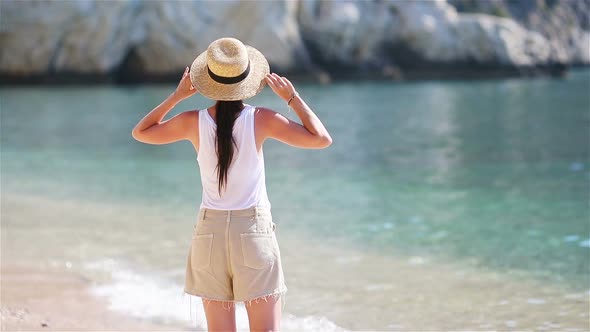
(185,88)
(281,86)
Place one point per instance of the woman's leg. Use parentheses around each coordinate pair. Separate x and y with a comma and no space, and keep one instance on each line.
(264,314)
(221,315)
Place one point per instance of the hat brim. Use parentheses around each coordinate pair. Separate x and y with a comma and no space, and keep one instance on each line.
(248,87)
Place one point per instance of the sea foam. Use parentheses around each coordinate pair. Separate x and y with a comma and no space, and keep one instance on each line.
(161,300)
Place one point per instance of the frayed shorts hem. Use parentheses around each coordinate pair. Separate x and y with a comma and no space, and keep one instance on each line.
(207,297)
(278,291)
(275,293)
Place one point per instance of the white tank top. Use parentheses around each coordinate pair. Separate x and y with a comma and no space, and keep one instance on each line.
(246,185)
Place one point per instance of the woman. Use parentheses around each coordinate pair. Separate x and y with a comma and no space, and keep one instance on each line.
(234,254)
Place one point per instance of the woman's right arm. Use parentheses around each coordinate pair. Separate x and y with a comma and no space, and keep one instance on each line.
(152,130)
(311,135)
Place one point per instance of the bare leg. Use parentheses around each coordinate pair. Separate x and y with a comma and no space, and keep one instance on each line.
(264,314)
(221,315)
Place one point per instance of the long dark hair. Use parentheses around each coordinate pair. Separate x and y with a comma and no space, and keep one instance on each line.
(226,114)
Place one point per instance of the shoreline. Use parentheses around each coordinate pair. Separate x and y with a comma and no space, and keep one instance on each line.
(35,299)
(426,72)
(406,290)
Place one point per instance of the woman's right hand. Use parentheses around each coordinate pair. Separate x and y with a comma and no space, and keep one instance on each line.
(185,88)
(281,86)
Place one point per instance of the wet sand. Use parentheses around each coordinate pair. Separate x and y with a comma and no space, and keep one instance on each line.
(38,299)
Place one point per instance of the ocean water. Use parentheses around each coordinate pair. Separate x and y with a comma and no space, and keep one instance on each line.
(440,205)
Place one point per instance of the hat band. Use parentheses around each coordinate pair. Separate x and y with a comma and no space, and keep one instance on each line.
(229,80)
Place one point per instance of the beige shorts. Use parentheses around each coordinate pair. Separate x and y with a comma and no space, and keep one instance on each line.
(234,256)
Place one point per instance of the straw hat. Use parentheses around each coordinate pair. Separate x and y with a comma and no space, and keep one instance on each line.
(229,70)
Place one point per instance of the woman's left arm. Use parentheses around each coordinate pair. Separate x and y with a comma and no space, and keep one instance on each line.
(152,130)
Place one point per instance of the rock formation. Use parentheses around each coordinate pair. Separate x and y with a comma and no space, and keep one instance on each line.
(133,39)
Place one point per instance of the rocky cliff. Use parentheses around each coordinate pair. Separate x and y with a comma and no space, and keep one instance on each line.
(134,39)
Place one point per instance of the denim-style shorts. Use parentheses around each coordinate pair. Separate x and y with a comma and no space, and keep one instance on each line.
(234,256)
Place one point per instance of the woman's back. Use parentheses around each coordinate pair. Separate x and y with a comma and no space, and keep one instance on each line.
(234,254)
(246,185)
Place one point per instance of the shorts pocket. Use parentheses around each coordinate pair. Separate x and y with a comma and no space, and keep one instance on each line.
(201,250)
(258,250)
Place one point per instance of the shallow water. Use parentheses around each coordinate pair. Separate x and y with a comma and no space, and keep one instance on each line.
(440,205)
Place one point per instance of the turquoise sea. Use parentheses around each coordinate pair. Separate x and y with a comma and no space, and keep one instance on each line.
(441,205)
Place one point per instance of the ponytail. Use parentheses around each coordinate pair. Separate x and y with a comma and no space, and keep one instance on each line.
(226,114)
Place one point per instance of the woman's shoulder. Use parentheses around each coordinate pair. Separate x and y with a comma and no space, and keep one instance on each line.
(262,111)
(266,119)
